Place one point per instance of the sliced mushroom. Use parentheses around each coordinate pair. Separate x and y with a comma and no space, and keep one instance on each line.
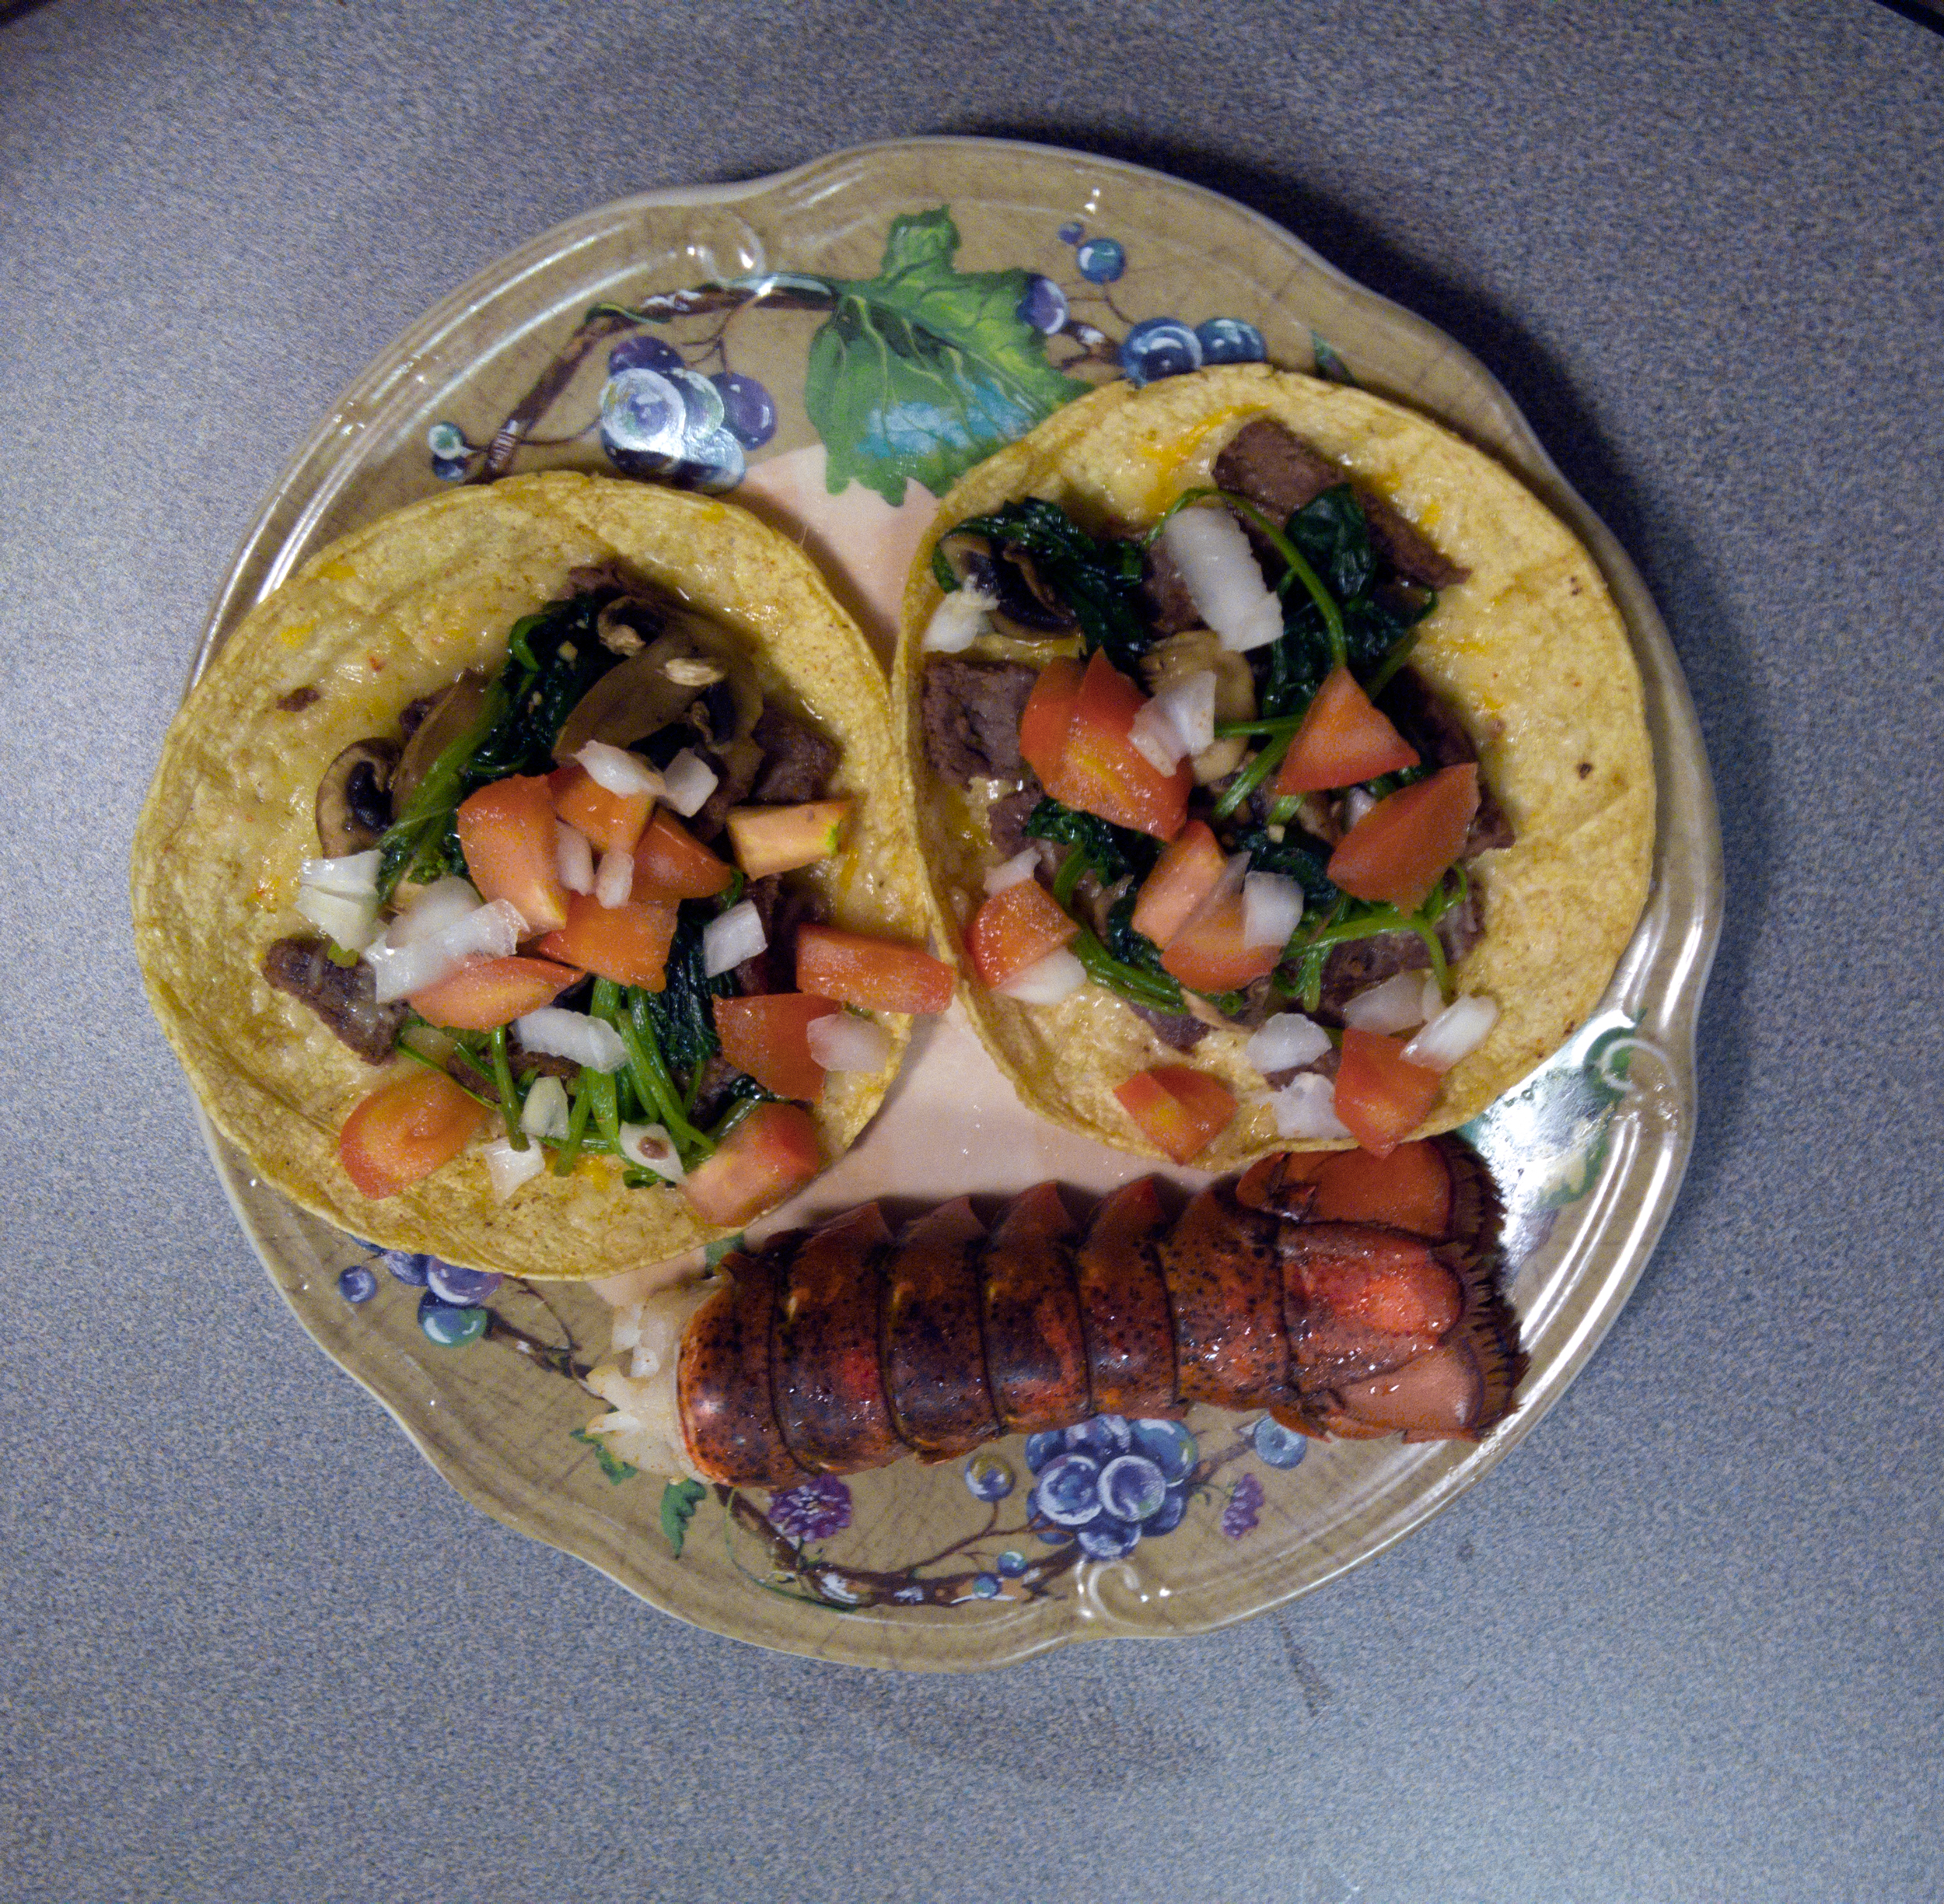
(454,711)
(1027,607)
(353,798)
(677,678)
(1188,653)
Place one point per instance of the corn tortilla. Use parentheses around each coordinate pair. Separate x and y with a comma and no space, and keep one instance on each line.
(393,611)
(1529,652)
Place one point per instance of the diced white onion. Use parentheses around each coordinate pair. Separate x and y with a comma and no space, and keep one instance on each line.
(347,919)
(1220,571)
(619,771)
(493,931)
(1046,981)
(616,878)
(1271,908)
(1235,871)
(1155,739)
(1357,805)
(1014,871)
(959,621)
(842,1041)
(484,931)
(1433,1001)
(1395,1006)
(559,1033)
(1189,700)
(573,858)
(352,875)
(444,903)
(1456,1032)
(686,781)
(1305,1107)
(732,937)
(545,1113)
(509,1168)
(648,1145)
(1286,1042)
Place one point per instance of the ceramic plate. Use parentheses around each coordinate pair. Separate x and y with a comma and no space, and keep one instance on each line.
(712,338)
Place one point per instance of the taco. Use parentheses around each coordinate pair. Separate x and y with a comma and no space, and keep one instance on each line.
(1278,765)
(494,831)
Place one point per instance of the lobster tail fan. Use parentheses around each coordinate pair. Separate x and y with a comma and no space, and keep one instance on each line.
(1476,1212)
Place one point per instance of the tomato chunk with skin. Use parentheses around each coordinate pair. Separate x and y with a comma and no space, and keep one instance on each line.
(770,1154)
(1343,739)
(610,820)
(1017,927)
(506,832)
(1188,870)
(779,839)
(1381,1096)
(1209,955)
(482,996)
(1400,849)
(1101,772)
(880,975)
(628,943)
(671,863)
(404,1130)
(1048,715)
(768,1036)
(1180,1108)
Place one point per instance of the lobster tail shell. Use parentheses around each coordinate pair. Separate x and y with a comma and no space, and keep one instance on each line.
(1124,1311)
(830,1398)
(933,1358)
(1219,1262)
(722,1375)
(1036,1354)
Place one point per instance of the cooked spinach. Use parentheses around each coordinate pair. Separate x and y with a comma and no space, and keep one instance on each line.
(1099,577)
(1110,853)
(1293,860)
(682,1014)
(553,657)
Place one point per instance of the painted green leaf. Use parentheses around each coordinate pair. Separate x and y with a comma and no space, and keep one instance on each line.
(612,1465)
(1329,364)
(679,1501)
(925,370)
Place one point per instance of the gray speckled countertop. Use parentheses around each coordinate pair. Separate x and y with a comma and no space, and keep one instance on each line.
(1684,1643)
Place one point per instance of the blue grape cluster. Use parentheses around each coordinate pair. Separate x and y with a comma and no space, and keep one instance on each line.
(1164,346)
(450,1311)
(1107,1482)
(658,417)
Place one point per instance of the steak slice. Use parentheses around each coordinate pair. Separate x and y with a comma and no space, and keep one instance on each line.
(1177,1030)
(1280,473)
(1006,818)
(971,713)
(797,762)
(1171,608)
(341,996)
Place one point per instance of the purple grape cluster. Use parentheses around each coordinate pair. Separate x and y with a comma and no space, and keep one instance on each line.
(451,1311)
(1245,1504)
(1106,1482)
(811,1510)
(658,417)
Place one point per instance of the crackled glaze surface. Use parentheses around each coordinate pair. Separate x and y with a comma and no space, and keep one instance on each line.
(764,341)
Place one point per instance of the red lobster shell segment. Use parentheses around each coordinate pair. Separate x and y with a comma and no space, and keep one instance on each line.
(840,1349)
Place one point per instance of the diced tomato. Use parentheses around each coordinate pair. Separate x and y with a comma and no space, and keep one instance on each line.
(404,1130)
(1101,771)
(671,863)
(628,943)
(492,992)
(1187,871)
(1343,739)
(1399,850)
(771,1153)
(879,974)
(1410,1189)
(609,820)
(1017,927)
(1209,955)
(1048,715)
(779,839)
(1179,1107)
(768,1036)
(1381,1097)
(506,832)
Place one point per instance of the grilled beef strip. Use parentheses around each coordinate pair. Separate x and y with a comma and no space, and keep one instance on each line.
(971,712)
(341,996)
